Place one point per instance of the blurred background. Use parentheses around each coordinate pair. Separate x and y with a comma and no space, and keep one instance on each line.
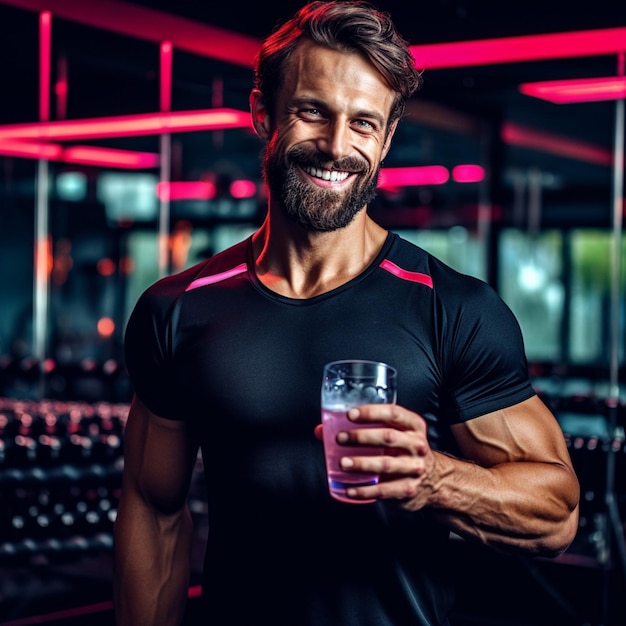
(126,153)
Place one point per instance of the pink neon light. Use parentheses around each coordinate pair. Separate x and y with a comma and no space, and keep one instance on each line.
(518,135)
(415,277)
(86,155)
(577,90)
(185,190)
(468,173)
(216,278)
(129,125)
(166,76)
(392,177)
(126,159)
(524,48)
(61,88)
(152,25)
(242,189)
(31,150)
(45,36)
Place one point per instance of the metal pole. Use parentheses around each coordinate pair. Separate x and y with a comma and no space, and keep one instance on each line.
(42,254)
(41,287)
(616,260)
(616,538)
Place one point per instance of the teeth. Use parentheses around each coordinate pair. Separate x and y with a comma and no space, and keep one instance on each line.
(331,175)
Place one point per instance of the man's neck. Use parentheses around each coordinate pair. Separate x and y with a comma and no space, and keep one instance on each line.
(300,264)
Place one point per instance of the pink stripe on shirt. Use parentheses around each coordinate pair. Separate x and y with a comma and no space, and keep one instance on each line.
(216,278)
(415,277)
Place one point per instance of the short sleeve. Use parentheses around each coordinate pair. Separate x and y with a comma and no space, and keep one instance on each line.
(486,367)
(147,354)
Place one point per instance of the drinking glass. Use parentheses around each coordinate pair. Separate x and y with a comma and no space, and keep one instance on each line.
(347,384)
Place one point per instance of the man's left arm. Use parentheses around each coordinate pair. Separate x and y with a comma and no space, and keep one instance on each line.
(520,491)
(514,489)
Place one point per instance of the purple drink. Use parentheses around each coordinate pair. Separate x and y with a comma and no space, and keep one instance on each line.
(334,421)
(347,384)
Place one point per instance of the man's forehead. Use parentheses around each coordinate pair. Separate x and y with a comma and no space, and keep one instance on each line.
(316,68)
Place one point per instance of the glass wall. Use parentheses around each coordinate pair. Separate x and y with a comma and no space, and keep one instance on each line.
(559,285)
(531,281)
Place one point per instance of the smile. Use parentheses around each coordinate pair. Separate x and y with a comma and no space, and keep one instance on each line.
(330,175)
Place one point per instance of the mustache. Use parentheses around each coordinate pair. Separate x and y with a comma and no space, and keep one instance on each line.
(303,156)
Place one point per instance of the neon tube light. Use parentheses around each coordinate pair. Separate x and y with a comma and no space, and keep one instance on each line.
(242,188)
(31,150)
(577,90)
(129,125)
(165,87)
(468,173)
(109,157)
(61,88)
(45,38)
(151,25)
(518,135)
(523,48)
(84,155)
(392,177)
(185,190)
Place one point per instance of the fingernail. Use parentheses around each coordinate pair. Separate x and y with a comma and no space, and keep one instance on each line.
(346,462)
(342,437)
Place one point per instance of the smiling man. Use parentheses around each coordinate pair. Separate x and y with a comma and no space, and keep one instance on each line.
(327,137)
(227,356)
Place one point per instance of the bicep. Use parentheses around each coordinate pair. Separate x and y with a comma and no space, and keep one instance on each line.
(524,432)
(159,457)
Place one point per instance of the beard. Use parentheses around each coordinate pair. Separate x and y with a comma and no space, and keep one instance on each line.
(313,208)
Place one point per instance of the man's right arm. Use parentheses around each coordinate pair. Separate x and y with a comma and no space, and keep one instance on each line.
(153,528)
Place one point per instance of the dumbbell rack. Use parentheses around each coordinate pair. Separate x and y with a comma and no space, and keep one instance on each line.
(60,475)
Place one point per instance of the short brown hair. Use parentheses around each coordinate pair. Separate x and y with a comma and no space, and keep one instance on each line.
(344,25)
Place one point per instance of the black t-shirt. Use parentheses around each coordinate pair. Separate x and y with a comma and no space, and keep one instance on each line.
(243,365)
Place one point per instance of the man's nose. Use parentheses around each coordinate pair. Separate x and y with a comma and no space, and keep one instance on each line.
(335,140)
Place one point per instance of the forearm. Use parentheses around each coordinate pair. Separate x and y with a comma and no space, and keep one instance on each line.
(152,563)
(525,506)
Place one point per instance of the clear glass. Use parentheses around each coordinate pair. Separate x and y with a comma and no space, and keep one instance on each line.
(347,384)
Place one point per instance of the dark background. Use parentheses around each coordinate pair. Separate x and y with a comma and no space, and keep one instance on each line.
(455,118)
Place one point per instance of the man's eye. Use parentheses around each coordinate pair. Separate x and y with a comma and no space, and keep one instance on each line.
(364,125)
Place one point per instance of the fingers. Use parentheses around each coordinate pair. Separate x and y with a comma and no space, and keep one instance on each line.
(392,415)
(408,491)
(404,467)
(386,466)
(404,478)
(400,431)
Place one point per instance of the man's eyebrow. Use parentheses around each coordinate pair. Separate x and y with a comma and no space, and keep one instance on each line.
(316,103)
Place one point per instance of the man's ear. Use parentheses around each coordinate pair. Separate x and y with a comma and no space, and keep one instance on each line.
(388,138)
(260,115)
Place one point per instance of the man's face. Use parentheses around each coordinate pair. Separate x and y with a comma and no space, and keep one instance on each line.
(329,135)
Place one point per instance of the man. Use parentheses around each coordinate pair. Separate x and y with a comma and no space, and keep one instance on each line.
(228,355)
